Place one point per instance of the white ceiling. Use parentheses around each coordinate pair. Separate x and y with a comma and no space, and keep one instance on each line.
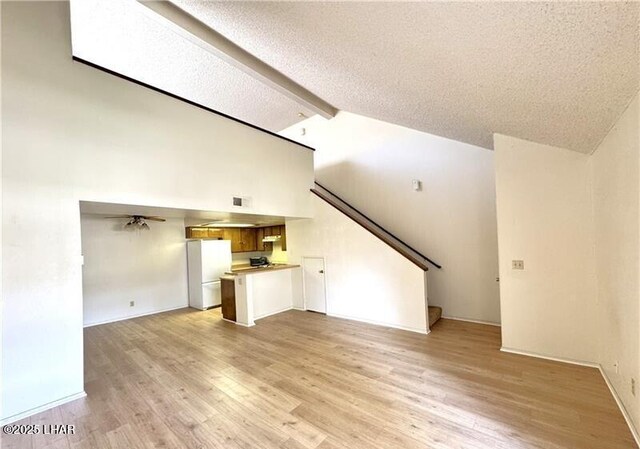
(121,36)
(557,73)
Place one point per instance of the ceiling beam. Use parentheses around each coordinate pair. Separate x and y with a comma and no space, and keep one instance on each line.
(189,27)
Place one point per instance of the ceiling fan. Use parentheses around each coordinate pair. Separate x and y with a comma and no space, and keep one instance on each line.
(139,221)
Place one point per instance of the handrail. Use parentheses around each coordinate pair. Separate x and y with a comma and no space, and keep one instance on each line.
(438,266)
(401,249)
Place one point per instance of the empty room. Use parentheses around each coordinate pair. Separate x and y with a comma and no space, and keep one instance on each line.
(320,224)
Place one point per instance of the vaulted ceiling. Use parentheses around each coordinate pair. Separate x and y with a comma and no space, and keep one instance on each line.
(121,36)
(558,73)
(553,72)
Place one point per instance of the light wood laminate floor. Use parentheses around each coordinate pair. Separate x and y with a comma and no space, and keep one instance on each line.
(187,379)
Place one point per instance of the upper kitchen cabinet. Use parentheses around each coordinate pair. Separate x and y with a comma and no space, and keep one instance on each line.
(248,236)
(194,232)
(262,246)
(242,239)
(283,237)
(280,230)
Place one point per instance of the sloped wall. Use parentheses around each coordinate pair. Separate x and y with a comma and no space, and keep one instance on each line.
(366,280)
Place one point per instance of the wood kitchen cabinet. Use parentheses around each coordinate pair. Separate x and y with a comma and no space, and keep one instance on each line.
(242,239)
(194,232)
(283,239)
(260,245)
(269,231)
(233,234)
(248,237)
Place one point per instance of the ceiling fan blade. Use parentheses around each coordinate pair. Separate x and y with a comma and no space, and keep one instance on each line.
(154,218)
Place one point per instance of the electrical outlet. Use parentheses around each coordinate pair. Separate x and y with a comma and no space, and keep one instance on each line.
(633,386)
(132,303)
(517,264)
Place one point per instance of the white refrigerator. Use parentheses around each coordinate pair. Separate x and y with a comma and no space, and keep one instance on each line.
(207,261)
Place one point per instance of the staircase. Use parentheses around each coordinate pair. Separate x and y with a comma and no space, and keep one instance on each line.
(406,250)
(435,313)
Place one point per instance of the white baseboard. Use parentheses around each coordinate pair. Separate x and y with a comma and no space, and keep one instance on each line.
(153,312)
(488,323)
(380,323)
(552,358)
(42,408)
(237,323)
(627,417)
(614,393)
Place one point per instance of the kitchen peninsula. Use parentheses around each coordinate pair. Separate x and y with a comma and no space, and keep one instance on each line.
(250,293)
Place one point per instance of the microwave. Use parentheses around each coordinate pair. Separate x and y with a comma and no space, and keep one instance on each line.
(258,261)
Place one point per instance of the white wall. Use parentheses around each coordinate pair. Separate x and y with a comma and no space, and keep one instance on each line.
(73,133)
(545,218)
(265,293)
(123,265)
(1,208)
(575,221)
(366,280)
(452,220)
(271,291)
(617,214)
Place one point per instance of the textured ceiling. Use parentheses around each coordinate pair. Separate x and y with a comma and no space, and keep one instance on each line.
(557,73)
(119,35)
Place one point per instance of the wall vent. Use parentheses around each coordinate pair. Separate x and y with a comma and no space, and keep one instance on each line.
(242,201)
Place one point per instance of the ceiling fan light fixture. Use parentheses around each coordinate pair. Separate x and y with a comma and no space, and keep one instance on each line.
(138,221)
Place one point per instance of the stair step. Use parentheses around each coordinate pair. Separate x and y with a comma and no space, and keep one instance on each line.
(434,314)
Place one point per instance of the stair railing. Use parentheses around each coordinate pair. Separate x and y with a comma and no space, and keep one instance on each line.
(394,237)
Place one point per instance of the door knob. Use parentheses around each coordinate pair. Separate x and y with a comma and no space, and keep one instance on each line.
(321,271)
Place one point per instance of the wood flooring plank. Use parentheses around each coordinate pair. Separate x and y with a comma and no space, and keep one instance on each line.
(297,380)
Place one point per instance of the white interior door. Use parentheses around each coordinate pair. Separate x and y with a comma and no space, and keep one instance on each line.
(314,286)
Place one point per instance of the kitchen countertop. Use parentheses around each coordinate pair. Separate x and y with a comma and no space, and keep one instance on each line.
(248,269)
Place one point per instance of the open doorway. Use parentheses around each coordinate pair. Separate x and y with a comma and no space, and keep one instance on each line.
(141,260)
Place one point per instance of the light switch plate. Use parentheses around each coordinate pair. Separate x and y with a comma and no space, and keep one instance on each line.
(517,264)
